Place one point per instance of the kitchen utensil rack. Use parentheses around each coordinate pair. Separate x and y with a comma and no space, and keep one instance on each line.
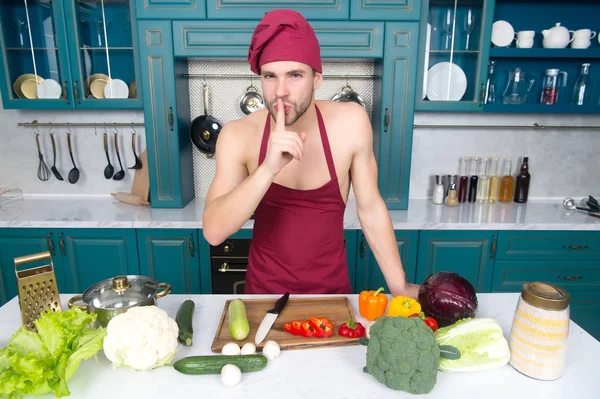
(536,126)
(252,77)
(80,124)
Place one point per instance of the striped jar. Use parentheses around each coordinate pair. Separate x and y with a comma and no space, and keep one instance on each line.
(538,338)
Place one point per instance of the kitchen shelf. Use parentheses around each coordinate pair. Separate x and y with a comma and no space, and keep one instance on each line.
(104,48)
(29,48)
(501,52)
(543,109)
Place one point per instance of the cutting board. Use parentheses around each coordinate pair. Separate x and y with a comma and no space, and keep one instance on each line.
(335,309)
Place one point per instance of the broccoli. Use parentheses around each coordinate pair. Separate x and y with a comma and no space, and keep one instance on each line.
(402,354)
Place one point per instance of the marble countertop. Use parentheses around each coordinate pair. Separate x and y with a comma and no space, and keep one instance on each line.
(334,372)
(106,212)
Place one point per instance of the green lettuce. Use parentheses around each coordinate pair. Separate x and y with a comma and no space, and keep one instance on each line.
(43,362)
(481,344)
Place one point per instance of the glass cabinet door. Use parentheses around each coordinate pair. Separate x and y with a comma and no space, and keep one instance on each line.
(104,62)
(36,66)
(453,55)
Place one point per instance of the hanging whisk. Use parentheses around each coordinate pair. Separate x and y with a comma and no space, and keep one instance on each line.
(43,171)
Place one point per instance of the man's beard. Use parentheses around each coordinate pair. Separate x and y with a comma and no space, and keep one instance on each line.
(299,109)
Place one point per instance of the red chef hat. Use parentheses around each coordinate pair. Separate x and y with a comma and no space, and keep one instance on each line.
(284,35)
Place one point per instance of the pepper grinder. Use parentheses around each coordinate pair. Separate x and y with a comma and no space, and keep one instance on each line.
(452,199)
(438,191)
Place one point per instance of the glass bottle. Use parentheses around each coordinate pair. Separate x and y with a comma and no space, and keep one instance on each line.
(483,184)
(507,184)
(583,87)
(522,185)
(473,180)
(463,184)
(493,192)
(490,85)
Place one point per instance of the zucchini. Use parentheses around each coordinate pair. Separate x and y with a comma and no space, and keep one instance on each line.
(238,321)
(199,365)
(184,322)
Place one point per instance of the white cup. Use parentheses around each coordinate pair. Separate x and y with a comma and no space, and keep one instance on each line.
(525,38)
(581,43)
(582,38)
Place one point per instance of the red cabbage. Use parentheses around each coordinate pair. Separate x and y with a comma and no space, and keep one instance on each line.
(447,297)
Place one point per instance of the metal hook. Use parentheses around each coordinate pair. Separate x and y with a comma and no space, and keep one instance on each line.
(95,130)
(37,131)
(51,129)
(104,127)
(68,130)
(133,128)
(115,127)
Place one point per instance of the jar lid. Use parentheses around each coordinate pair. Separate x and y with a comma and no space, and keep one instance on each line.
(121,292)
(545,296)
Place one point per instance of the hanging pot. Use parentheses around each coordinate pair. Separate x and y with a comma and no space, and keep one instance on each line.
(347,94)
(251,100)
(205,129)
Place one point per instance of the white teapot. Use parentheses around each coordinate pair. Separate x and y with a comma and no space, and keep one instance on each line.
(557,37)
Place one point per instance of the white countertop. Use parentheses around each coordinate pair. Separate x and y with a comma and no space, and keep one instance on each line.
(106,212)
(325,372)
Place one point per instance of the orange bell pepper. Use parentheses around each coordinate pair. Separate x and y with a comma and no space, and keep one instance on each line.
(403,306)
(372,304)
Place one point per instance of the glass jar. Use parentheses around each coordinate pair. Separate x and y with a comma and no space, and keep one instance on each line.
(538,338)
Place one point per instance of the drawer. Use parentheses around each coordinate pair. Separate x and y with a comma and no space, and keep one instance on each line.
(232,248)
(510,276)
(542,245)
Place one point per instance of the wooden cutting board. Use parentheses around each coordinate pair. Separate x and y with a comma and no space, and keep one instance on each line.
(336,309)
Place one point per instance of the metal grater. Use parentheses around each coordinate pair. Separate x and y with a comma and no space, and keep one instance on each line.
(38,291)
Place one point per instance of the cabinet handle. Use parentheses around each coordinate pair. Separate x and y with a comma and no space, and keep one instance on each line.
(76,92)
(584,246)
(363,247)
(65,91)
(578,277)
(482,94)
(225,269)
(494,246)
(227,248)
(170,118)
(386,121)
(192,252)
(61,244)
(50,244)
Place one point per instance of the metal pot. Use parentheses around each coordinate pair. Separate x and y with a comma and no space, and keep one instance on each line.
(113,296)
(205,129)
(251,100)
(348,95)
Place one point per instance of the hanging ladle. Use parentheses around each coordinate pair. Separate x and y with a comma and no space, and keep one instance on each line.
(138,163)
(569,203)
(73,173)
(109,170)
(120,174)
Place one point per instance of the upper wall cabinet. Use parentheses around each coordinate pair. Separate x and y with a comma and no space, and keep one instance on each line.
(453,54)
(385,10)
(231,39)
(83,53)
(170,9)
(248,9)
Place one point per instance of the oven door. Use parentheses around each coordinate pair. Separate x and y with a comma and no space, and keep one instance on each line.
(228,275)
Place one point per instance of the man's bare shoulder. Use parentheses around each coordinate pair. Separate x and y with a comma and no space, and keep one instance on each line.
(348,118)
(245,128)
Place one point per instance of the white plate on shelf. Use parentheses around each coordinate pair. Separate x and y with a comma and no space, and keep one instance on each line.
(116,88)
(446,82)
(49,88)
(503,34)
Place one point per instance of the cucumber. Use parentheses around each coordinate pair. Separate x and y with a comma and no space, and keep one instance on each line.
(238,321)
(199,365)
(184,322)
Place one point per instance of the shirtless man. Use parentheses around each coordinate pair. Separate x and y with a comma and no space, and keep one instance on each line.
(291,165)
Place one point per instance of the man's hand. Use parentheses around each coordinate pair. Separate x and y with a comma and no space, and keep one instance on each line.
(283,145)
(409,290)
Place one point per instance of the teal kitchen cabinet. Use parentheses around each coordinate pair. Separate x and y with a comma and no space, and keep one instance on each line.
(368,273)
(171,256)
(16,242)
(393,129)
(170,9)
(230,39)
(385,10)
(92,255)
(167,118)
(76,48)
(453,54)
(585,308)
(351,242)
(244,9)
(467,253)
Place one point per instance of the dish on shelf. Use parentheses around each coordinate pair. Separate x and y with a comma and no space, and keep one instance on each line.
(446,82)
(50,89)
(96,84)
(426,63)
(18,85)
(503,33)
(116,88)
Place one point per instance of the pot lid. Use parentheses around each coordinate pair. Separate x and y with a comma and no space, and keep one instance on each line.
(121,292)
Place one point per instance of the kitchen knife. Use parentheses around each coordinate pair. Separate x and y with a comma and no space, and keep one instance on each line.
(269,319)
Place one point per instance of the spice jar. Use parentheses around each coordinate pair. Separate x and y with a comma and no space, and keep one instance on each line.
(538,338)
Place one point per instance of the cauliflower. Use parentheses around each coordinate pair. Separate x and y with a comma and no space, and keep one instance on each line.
(142,338)
(402,354)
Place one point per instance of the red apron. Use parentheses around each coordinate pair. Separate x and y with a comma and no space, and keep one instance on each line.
(298,236)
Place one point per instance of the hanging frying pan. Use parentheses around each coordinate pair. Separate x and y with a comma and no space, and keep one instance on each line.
(205,129)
